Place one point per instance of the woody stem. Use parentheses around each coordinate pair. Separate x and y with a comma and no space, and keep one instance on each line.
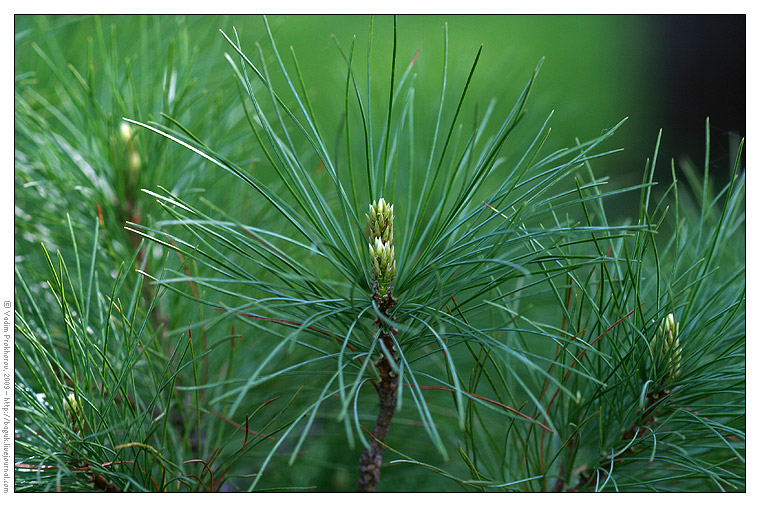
(372,457)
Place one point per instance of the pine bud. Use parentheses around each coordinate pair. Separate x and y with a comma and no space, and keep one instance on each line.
(667,347)
(73,411)
(126,132)
(382,250)
(134,162)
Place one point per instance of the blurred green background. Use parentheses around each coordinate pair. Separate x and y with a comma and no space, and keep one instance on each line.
(665,72)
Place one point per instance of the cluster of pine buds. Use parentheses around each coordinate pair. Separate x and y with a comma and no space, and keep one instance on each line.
(667,346)
(381,250)
(73,412)
(133,157)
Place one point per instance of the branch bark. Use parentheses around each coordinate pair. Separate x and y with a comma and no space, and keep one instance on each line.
(372,457)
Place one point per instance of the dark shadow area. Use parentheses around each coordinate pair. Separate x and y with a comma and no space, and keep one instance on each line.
(704,70)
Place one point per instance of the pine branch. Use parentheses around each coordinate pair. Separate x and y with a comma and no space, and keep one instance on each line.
(384,271)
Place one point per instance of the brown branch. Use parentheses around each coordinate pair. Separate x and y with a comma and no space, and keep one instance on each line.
(100,482)
(372,457)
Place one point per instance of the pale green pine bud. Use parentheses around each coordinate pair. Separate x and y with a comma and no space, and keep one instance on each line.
(670,328)
(378,248)
(676,359)
(134,162)
(667,345)
(126,132)
(73,411)
(382,250)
